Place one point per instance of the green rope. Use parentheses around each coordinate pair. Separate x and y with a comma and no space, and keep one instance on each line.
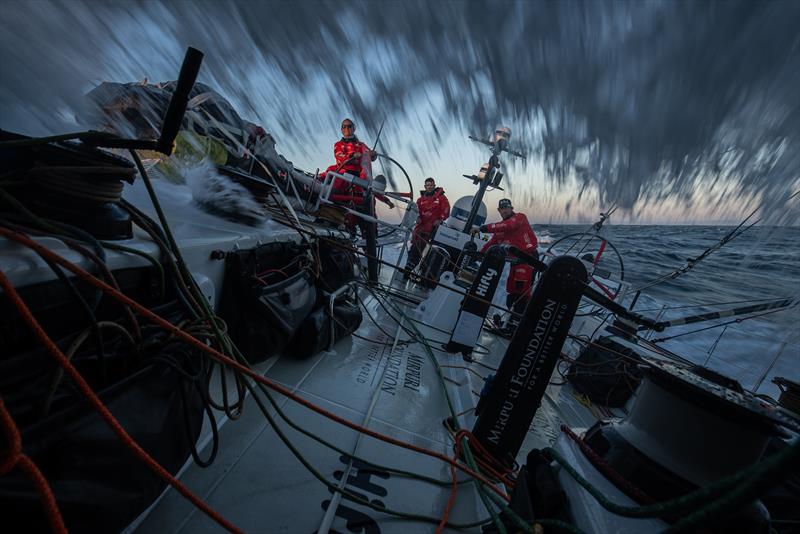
(468,457)
(230,349)
(768,471)
(767,474)
(156,263)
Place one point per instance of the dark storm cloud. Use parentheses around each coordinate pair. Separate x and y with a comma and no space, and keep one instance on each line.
(638,100)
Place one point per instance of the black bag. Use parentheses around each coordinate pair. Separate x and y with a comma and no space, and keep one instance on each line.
(606,372)
(266,295)
(337,264)
(315,333)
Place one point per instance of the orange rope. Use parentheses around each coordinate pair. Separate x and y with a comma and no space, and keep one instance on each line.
(95,401)
(450,501)
(484,458)
(15,457)
(45,252)
(486,461)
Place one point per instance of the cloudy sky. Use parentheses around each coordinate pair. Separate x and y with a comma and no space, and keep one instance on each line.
(679,112)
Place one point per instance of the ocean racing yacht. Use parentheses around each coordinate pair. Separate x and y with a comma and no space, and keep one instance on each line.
(192,342)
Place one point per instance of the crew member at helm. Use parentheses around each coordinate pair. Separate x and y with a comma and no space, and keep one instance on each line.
(514,230)
(433,208)
(352,157)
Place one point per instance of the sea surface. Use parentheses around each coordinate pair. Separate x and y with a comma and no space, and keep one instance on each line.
(763,263)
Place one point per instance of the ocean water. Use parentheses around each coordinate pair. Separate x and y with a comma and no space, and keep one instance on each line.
(762,263)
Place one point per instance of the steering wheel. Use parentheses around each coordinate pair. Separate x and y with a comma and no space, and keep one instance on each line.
(410,188)
(605,262)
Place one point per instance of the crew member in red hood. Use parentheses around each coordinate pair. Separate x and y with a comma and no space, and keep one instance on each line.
(433,208)
(352,157)
(514,230)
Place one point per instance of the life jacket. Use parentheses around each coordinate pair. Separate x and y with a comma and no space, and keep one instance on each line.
(432,207)
(345,192)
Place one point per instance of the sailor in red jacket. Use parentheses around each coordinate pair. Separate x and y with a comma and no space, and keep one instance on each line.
(352,157)
(433,208)
(514,230)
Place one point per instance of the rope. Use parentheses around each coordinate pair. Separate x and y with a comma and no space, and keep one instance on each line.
(335,243)
(692,262)
(86,390)
(729,489)
(467,453)
(609,472)
(221,358)
(726,323)
(14,457)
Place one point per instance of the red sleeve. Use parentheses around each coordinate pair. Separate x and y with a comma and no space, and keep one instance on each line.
(445,209)
(505,226)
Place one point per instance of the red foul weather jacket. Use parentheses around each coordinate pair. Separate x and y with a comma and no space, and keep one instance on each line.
(515,231)
(432,207)
(343,150)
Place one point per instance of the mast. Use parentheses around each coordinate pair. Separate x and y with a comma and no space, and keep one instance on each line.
(490,173)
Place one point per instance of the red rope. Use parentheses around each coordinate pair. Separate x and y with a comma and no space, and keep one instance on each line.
(15,457)
(607,291)
(484,458)
(95,401)
(599,253)
(612,474)
(146,313)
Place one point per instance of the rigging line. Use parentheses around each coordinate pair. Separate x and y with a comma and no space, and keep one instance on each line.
(720,314)
(350,495)
(335,243)
(740,320)
(410,474)
(709,304)
(247,151)
(15,456)
(412,335)
(224,359)
(730,236)
(333,506)
(232,411)
(618,354)
(332,487)
(468,456)
(95,401)
(341,451)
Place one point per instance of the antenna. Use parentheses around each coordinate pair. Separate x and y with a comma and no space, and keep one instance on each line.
(490,173)
(499,142)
